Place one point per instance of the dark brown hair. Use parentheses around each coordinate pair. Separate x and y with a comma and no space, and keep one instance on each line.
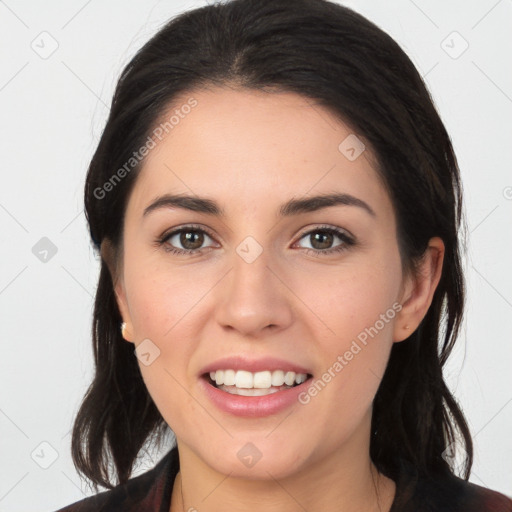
(339,59)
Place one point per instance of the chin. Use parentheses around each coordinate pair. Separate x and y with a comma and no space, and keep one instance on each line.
(255,457)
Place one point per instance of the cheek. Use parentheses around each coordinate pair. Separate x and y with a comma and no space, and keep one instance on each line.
(161,298)
(351,298)
(169,307)
(356,309)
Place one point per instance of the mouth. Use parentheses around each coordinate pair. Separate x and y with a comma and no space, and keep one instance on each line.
(246,383)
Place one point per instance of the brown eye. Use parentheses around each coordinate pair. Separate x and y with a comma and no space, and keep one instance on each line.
(186,240)
(322,241)
(191,240)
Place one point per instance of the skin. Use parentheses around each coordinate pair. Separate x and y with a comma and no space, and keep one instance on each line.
(251,152)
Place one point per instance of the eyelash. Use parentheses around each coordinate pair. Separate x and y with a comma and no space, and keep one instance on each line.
(347,240)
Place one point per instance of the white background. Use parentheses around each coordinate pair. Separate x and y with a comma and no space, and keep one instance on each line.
(52,113)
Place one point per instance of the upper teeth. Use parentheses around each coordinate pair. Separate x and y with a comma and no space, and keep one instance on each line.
(262,380)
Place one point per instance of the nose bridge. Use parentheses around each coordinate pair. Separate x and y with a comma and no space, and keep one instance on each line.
(250,274)
(252,296)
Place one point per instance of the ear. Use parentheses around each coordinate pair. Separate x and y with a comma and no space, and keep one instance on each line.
(109,257)
(418,290)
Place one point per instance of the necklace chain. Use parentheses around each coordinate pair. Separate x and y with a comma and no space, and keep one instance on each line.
(182,500)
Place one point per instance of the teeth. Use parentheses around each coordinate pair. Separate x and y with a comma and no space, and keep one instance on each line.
(229,377)
(262,380)
(277,378)
(233,390)
(244,380)
(289,378)
(300,378)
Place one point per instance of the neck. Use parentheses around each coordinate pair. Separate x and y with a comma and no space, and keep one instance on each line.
(345,480)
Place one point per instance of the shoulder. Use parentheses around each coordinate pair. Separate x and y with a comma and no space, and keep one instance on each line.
(455,494)
(487,499)
(149,490)
(447,493)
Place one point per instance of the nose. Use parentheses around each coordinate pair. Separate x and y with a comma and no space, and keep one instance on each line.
(253,299)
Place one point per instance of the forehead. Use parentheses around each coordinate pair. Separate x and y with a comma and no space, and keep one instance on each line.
(254,148)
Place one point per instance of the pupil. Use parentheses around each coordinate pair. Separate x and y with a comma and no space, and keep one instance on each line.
(325,235)
(186,237)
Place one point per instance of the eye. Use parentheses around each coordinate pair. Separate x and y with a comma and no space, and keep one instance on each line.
(191,238)
(322,238)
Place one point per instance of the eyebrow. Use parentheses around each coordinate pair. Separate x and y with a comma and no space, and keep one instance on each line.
(291,207)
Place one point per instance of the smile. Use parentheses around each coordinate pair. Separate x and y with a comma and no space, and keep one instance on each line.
(261,383)
(248,387)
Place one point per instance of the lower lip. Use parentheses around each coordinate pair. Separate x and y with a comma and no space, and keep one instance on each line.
(253,406)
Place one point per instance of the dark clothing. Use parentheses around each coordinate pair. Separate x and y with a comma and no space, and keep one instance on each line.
(151,492)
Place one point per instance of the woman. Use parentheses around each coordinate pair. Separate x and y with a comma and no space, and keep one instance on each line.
(277,206)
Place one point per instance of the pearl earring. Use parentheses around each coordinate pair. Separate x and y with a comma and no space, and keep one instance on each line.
(123,330)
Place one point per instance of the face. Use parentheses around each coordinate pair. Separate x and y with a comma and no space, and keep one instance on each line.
(317,289)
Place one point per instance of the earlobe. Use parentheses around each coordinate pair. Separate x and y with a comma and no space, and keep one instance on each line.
(108,255)
(419,290)
(124,334)
(126,325)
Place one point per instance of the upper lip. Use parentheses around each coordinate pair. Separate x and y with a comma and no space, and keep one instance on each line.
(253,365)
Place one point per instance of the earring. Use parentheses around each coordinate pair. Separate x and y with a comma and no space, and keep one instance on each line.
(123,330)
(406,327)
